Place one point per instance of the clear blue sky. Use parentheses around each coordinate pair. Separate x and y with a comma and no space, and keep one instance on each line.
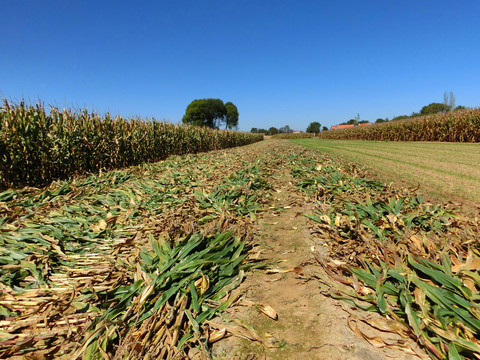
(281,62)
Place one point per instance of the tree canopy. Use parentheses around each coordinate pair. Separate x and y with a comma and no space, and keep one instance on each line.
(434,108)
(231,118)
(211,113)
(400,117)
(355,121)
(285,129)
(314,127)
(272,131)
(260,131)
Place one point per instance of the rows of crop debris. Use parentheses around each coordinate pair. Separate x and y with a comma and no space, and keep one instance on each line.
(129,263)
(394,253)
(136,263)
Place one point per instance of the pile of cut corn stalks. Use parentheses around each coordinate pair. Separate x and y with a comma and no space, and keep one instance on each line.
(128,264)
(392,252)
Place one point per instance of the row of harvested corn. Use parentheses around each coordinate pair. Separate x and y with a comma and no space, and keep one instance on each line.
(454,126)
(414,262)
(132,263)
(38,146)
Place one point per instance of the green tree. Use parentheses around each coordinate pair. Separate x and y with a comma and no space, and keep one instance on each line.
(231,118)
(355,121)
(324,128)
(380,120)
(254,130)
(272,131)
(434,108)
(205,112)
(314,127)
(285,129)
(400,117)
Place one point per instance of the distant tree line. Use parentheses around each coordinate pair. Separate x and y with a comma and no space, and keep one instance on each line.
(355,121)
(314,127)
(273,130)
(432,108)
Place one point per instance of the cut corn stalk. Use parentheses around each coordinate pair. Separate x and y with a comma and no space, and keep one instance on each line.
(409,260)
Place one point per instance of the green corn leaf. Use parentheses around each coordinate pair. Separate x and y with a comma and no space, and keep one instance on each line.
(448,300)
(188,336)
(440,277)
(381,302)
(373,228)
(457,341)
(412,317)
(193,322)
(453,353)
(194,295)
(160,302)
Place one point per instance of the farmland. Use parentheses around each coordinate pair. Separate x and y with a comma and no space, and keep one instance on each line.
(39,145)
(441,169)
(105,247)
(452,126)
(254,244)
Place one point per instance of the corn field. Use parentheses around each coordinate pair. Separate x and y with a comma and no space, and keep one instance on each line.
(293,135)
(37,146)
(455,126)
(142,262)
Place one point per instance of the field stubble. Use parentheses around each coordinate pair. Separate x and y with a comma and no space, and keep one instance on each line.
(443,170)
(144,262)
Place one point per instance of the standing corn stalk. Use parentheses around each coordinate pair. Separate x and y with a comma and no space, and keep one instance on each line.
(37,147)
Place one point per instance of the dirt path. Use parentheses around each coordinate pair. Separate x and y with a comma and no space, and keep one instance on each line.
(310,325)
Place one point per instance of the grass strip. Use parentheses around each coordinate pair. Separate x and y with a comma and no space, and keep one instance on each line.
(454,175)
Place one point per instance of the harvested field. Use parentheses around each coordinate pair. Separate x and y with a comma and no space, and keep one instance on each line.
(268,251)
(81,257)
(452,126)
(441,169)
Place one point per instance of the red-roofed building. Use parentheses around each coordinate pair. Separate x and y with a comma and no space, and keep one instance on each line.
(342,126)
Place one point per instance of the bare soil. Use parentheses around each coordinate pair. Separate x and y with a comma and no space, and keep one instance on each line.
(310,324)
